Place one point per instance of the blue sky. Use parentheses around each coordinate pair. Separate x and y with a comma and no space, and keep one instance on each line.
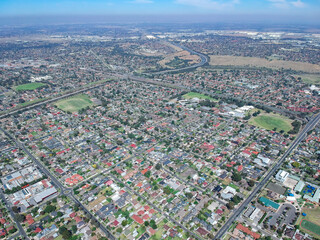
(161,7)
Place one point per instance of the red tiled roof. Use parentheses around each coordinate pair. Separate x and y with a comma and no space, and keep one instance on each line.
(9,228)
(59,170)
(150,150)
(2,232)
(109,182)
(202,231)
(152,211)
(248,231)
(141,212)
(146,207)
(219,211)
(77,219)
(246,152)
(137,219)
(144,171)
(30,221)
(152,231)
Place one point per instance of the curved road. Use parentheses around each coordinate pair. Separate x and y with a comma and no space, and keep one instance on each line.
(65,191)
(203,58)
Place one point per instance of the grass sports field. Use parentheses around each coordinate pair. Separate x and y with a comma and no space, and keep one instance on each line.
(74,103)
(310,78)
(29,86)
(191,95)
(271,121)
(314,228)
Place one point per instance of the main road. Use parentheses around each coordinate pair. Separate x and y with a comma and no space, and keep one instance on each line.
(204,60)
(21,230)
(50,100)
(64,191)
(309,126)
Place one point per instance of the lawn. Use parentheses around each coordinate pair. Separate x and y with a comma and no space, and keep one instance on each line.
(313,214)
(314,228)
(191,95)
(310,78)
(29,86)
(234,186)
(74,103)
(271,121)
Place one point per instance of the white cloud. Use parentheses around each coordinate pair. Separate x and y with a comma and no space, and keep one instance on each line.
(142,1)
(287,4)
(279,3)
(298,3)
(209,4)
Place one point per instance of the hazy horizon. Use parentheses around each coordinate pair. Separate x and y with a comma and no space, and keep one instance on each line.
(236,20)
(18,12)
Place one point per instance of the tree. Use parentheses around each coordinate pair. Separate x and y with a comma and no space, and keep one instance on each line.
(67,234)
(147,174)
(167,190)
(74,229)
(296,127)
(153,224)
(158,166)
(76,207)
(230,205)
(247,117)
(267,238)
(189,195)
(13,230)
(251,183)
(49,209)
(236,176)
(124,223)
(20,217)
(15,209)
(236,199)
(295,164)
(95,223)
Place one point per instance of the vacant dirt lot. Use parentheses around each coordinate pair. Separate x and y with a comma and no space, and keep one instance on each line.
(219,60)
(185,55)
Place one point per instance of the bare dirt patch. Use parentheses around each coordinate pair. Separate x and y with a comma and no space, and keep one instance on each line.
(219,60)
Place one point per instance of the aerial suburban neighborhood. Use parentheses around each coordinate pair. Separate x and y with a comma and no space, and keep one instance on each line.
(148,132)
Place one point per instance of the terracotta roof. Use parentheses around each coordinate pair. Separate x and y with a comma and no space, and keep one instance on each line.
(248,231)
(137,219)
